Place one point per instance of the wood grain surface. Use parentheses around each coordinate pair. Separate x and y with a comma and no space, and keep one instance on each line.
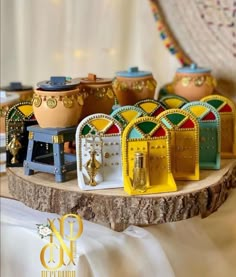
(116,209)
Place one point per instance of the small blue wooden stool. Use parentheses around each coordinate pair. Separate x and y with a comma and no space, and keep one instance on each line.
(57,162)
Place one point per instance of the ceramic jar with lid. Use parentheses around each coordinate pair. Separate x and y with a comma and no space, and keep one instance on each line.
(134,85)
(25,92)
(57,103)
(98,95)
(193,82)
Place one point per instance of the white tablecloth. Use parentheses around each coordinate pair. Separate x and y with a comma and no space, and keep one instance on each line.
(195,247)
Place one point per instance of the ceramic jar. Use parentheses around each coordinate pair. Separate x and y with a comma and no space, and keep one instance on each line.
(193,82)
(134,85)
(25,92)
(57,103)
(98,95)
(7,100)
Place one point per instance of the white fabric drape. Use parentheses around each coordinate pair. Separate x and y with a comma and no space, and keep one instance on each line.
(194,247)
(72,38)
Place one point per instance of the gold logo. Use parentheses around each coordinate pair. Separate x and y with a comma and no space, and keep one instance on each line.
(51,103)
(80,100)
(110,93)
(64,250)
(68,102)
(37,101)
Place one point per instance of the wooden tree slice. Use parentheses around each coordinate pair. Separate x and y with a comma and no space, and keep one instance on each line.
(116,209)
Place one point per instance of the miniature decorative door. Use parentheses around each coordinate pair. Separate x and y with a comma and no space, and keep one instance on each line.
(209,133)
(227,112)
(18,118)
(151,107)
(173,101)
(146,157)
(98,151)
(184,149)
(125,114)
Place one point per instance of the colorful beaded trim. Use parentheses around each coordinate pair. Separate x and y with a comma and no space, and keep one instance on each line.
(221,103)
(124,115)
(204,112)
(150,106)
(165,34)
(173,101)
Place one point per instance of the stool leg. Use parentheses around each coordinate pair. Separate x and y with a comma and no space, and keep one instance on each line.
(29,158)
(58,152)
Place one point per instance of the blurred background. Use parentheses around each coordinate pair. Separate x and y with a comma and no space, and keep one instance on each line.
(72,38)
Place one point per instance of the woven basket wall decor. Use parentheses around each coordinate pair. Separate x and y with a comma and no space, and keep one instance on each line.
(206,31)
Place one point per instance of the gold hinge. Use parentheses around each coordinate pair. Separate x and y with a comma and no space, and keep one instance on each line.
(31,135)
(58,139)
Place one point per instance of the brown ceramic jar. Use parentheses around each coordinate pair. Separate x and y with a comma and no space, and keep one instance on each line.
(193,82)
(25,92)
(98,95)
(134,85)
(57,103)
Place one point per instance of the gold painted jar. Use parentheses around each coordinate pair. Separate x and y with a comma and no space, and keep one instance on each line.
(133,85)
(25,92)
(98,95)
(193,82)
(57,103)
(7,100)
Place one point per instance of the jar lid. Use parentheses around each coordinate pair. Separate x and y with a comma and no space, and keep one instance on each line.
(58,83)
(133,72)
(8,97)
(16,86)
(193,68)
(92,79)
